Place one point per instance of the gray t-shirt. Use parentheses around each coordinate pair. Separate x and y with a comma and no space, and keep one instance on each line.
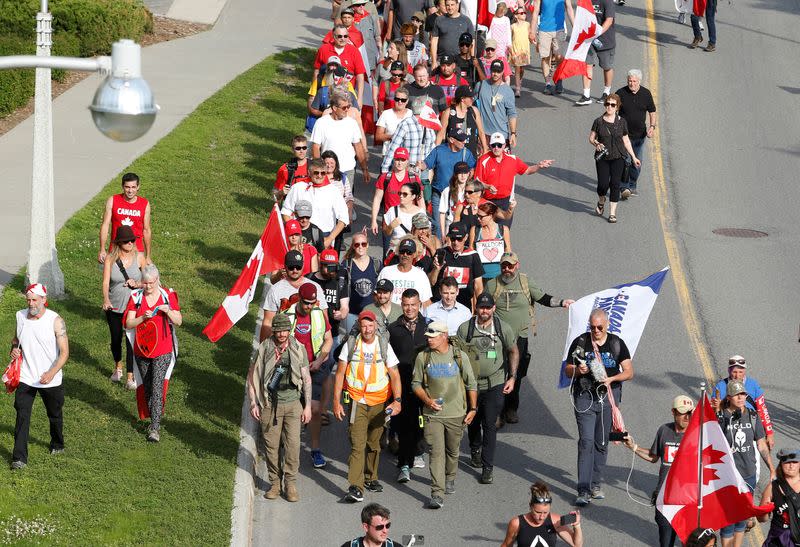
(741,434)
(448,30)
(118,292)
(605,9)
(665,446)
(497,105)
(403,10)
(280,293)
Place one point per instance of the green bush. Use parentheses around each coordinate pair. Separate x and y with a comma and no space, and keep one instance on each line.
(16,86)
(65,45)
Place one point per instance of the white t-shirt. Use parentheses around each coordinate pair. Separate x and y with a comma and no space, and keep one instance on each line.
(371,352)
(413,279)
(389,121)
(405,222)
(283,290)
(327,202)
(37,340)
(448,208)
(338,136)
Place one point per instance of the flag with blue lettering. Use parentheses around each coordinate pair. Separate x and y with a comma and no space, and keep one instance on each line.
(628,307)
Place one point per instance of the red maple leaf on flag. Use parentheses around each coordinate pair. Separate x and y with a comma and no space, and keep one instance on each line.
(711,457)
(587,34)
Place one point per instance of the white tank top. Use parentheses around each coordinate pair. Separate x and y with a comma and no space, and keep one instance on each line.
(39,349)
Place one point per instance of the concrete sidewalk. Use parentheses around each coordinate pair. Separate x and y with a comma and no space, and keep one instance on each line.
(182,74)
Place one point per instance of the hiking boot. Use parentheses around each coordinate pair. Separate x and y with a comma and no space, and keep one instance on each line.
(598,494)
(291,493)
(696,42)
(511,416)
(16,464)
(419,462)
(626,193)
(449,487)
(117,376)
(373,486)
(583,499)
(584,100)
(548,89)
(404,475)
(559,87)
(318,459)
(486,476)
(354,494)
(475,458)
(274,492)
(711,47)
(153,436)
(435,503)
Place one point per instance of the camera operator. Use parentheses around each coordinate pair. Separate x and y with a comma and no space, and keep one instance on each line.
(596,361)
(278,375)
(665,446)
(540,526)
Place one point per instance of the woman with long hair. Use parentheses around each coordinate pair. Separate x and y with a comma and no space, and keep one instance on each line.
(389,75)
(785,526)
(452,196)
(540,526)
(489,239)
(464,115)
(340,180)
(467,213)
(122,272)
(397,220)
(363,274)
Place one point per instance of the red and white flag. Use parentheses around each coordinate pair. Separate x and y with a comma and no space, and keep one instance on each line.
(267,257)
(725,497)
(699,8)
(584,30)
(428,118)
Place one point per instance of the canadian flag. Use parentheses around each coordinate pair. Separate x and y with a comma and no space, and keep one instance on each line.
(584,30)
(267,256)
(428,118)
(724,496)
(699,8)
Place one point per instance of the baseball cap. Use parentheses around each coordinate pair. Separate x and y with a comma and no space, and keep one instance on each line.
(462,92)
(420,220)
(281,322)
(303,208)
(347,11)
(384,285)
(497,66)
(334,60)
(366,314)
(401,153)
(407,245)
(447,59)
(329,256)
(465,39)
(396,65)
(293,228)
(490,42)
(436,328)
(457,229)
(735,387)
(485,301)
(460,168)
(308,292)
(683,404)
(510,257)
(358,2)
(786,455)
(497,138)
(737,361)
(293,258)
(418,15)
(457,134)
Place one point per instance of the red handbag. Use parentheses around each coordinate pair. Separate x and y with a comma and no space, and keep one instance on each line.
(11,375)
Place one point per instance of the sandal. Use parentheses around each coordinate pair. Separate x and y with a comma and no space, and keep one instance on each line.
(612,219)
(600,208)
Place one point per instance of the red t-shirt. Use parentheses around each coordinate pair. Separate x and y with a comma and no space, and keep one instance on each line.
(388,98)
(356,38)
(449,85)
(350,58)
(164,345)
(390,197)
(499,174)
(302,332)
(124,213)
(300,175)
(309,252)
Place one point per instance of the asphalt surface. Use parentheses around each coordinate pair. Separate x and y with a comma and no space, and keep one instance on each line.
(730,138)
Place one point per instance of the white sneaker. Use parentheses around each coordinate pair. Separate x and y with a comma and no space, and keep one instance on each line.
(419,462)
(130,384)
(701,25)
(117,376)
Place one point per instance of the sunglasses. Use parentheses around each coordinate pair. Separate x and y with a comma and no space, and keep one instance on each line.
(294,267)
(307,303)
(484,216)
(362,244)
(490,49)
(520,13)
(457,238)
(319,172)
(301,147)
(610,104)
(397,74)
(787,457)
(470,192)
(403,194)
(341,36)
(732,362)
(497,145)
(400,100)
(406,252)
(507,265)
(380,527)
(598,328)
(304,218)
(707,532)
(126,242)
(542,500)
(343,107)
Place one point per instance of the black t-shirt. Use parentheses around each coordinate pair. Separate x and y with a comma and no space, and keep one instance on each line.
(610,134)
(433,91)
(334,290)
(359,542)
(469,125)
(406,346)
(634,109)
(612,352)
(665,446)
(466,267)
(468,69)
(313,235)
(605,9)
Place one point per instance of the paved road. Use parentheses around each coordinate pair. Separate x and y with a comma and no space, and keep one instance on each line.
(729,125)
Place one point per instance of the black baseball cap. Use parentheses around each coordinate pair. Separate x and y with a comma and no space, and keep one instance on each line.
(463,91)
(407,245)
(293,258)
(457,134)
(384,285)
(485,300)
(497,66)
(465,39)
(447,59)
(457,229)
(397,65)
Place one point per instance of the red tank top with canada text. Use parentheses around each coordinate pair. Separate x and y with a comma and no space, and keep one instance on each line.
(124,213)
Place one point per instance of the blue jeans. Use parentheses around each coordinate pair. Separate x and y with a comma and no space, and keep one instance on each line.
(594,425)
(738,527)
(711,12)
(638,147)
(436,197)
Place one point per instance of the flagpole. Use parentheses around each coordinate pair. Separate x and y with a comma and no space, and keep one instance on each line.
(700,453)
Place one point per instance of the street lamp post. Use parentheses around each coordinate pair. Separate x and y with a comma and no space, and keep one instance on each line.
(123,109)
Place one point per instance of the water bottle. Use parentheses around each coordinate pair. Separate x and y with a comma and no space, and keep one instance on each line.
(439,401)
(597,43)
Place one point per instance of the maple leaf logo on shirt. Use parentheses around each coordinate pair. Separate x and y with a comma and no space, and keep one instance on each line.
(127,221)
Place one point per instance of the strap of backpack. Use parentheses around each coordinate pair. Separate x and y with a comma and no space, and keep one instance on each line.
(122,269)
(470,330)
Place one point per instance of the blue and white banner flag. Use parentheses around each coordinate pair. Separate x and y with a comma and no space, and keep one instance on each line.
(628,307)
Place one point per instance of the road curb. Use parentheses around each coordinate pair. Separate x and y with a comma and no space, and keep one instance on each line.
(244,478)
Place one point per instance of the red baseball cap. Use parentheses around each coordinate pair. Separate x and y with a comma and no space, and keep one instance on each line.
(401,153)
(308,292)
(366,314)
(293,228)
(329,256)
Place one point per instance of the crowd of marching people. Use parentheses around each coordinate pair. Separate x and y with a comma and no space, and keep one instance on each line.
(429,333)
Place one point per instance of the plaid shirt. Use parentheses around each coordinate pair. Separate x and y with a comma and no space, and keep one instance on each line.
(410,134)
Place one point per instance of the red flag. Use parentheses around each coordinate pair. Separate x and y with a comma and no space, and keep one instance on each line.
(267,256)
(584,30)
(485,15)
(699,8)
(428,118)
(726,498)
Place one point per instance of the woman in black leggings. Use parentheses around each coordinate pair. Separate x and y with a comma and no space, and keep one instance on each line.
(609,136)
(541,527)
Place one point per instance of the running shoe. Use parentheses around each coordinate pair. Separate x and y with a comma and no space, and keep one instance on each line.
(583,499)
(559,87)
(373,486)
(318,459)
(404,475)
(354,494)
(117,376)
(584,100)
(419,462)
(435,503)
(548,89)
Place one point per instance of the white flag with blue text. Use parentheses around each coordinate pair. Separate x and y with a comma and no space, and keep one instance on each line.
(628,307)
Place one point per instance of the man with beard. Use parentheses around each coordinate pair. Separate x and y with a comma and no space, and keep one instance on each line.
(386,311)
(515,294)
(405,275)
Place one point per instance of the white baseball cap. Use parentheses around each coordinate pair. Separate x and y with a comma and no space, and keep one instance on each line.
(497,138)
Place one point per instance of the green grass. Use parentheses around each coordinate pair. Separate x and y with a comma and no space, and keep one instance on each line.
(209,182)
